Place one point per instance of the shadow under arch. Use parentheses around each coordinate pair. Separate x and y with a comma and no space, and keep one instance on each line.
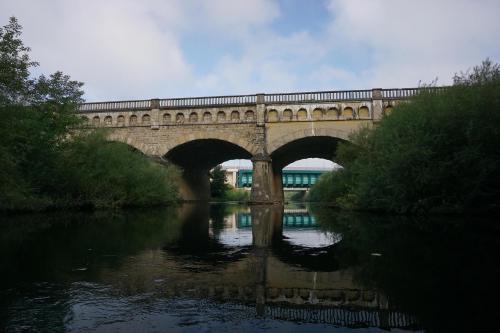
(196,243)
(307,147)
(196,158)
(319,259)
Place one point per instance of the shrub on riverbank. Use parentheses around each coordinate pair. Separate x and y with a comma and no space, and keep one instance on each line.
(437,153)
(100,173)
(220,191)
(87,170)
(235,195)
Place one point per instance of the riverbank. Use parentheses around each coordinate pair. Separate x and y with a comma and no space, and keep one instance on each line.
(88,172)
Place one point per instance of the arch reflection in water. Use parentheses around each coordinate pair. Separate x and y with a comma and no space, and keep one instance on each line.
(276,274)
(154,264)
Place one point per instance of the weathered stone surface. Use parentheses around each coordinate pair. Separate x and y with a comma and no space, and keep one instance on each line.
(272,134)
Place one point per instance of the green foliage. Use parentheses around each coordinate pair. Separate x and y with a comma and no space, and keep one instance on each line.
(220,191)
(329,187)
(437,153)
(235,194)
(93,171)
(15,82)
(42,165)
(218,186)
(295,196)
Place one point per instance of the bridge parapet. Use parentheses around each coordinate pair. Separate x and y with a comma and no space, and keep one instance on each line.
(242,100)
(259,108)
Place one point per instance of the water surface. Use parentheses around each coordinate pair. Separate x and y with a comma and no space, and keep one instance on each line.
(226,268)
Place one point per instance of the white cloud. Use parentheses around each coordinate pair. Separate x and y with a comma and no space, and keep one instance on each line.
(113,46)
(269,63)
(128,49)
(407,41)
(230,17)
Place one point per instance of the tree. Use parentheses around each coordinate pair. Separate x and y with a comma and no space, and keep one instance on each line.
(437,153)
(15,65)
(218,186)
(37,113)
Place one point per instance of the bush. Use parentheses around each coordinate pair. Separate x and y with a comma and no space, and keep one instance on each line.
(218,186)
(101,173)
(438,152)
(236,194)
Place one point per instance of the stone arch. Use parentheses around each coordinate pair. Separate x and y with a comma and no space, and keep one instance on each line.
(302,114)
(96,121)
(108,121)
(193,117)
(138,145)
(333,113)
(146,119)
(348,113)
(318,113)
(85,120)
(197,153)
(167,118)
(301,144)
(207,117)
(235,116)
(249,115)
(272,115)
(132,120)
(287,115)
(233,139)
(388,110)
(364,112)
(300,134)
(179,118)
(120,120)
(221,116)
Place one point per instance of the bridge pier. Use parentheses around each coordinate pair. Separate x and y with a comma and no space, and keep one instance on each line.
(277,186)
(261,192)
(267,183)
(267,224)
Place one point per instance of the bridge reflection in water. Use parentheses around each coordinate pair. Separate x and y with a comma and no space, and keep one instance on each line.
(268,275)
(164,269)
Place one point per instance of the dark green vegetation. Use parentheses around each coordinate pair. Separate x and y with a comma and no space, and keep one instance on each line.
(43,164)
(65,271)
(295,196)
(221,191)
(438,153)
(438,268)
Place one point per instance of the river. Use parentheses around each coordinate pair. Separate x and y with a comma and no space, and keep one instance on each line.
(226,268)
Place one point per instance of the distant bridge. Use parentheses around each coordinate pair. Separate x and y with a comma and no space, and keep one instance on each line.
(292,179)
(273,130)
(299,218)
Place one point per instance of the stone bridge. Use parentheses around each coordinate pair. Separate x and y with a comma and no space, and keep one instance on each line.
(273,130)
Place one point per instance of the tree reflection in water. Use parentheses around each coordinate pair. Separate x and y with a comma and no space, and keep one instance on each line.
(65,271)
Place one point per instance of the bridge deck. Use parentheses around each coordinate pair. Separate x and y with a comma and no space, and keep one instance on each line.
(242,100)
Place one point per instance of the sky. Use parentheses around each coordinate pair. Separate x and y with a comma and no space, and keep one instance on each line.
(141,49)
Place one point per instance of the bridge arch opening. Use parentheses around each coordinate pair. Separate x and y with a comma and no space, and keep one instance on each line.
(196,158)
(311,150)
